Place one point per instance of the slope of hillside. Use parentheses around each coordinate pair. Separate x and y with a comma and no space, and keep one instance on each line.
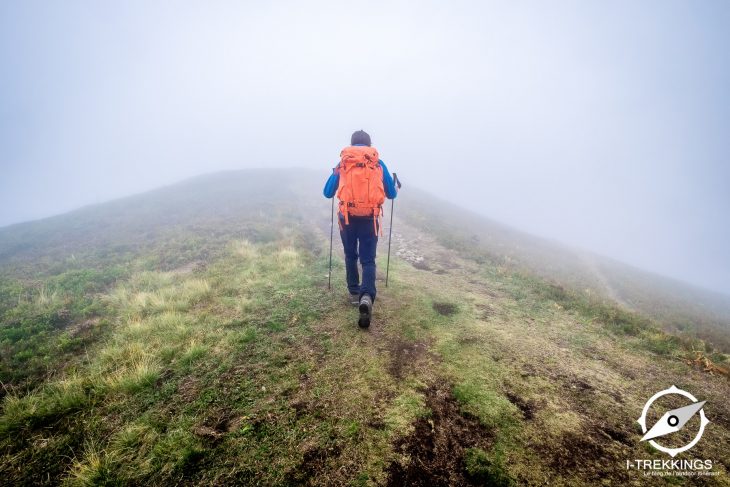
(677,306)
(187,336)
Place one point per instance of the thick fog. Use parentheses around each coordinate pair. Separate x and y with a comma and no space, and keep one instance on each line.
(605,125)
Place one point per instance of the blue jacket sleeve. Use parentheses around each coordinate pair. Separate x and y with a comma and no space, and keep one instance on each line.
(390,190)
(330,187)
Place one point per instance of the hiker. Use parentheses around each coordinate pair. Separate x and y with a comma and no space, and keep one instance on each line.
(362,189)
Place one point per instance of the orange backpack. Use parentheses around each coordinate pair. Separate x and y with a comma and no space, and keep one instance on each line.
(361,191)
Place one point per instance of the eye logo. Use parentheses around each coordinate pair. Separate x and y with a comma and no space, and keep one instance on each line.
(672,421)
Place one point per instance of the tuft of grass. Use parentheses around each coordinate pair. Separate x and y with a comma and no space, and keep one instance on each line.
(486,468)
(492,408)
(176,451)
(133,377)
(94,468)
(153,293)
(194,352)
(47,298)
(244,249)
(46,405)
(662,343)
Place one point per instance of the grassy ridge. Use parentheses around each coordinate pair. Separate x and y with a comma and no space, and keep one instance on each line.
(54,271)
(232,363)
(228,374)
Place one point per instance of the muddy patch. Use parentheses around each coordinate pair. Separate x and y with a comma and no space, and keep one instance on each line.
(572,382)
(216,425)
(527,407)
(314,461)
(621,436)
(587,455)
(433,455)
(189,389)
(300,407)
(445,309)
(421,265)
(581,385)
(377,423)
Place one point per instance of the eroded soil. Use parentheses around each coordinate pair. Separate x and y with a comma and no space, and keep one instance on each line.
(433,455)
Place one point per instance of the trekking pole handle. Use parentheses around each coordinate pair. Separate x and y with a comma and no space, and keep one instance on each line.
(396,181)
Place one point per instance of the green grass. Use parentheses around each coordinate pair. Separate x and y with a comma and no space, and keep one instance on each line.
(486,468)
(158,332)
(38,322)
(193,358)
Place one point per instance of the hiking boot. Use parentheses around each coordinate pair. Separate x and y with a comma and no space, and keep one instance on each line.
(366,311)
(354,299)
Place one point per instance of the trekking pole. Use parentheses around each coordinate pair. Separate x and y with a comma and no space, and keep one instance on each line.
(332,226)
(390,230)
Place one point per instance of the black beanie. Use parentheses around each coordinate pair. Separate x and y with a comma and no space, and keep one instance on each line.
(360,137)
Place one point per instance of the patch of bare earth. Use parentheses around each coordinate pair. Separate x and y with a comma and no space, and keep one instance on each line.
(445,309)
(216,425)
(315,458)
(421,265)
(84,329)
(528,407)
(433,455)
(588,453)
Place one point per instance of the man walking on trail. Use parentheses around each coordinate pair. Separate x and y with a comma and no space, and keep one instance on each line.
(362,182)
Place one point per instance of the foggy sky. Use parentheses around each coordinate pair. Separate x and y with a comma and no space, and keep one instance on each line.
(605,125)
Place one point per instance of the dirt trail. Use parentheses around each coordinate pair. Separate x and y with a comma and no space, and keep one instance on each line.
(576,387)
(602,281)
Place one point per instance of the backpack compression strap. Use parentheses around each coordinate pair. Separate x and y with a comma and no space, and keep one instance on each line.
(377,225)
